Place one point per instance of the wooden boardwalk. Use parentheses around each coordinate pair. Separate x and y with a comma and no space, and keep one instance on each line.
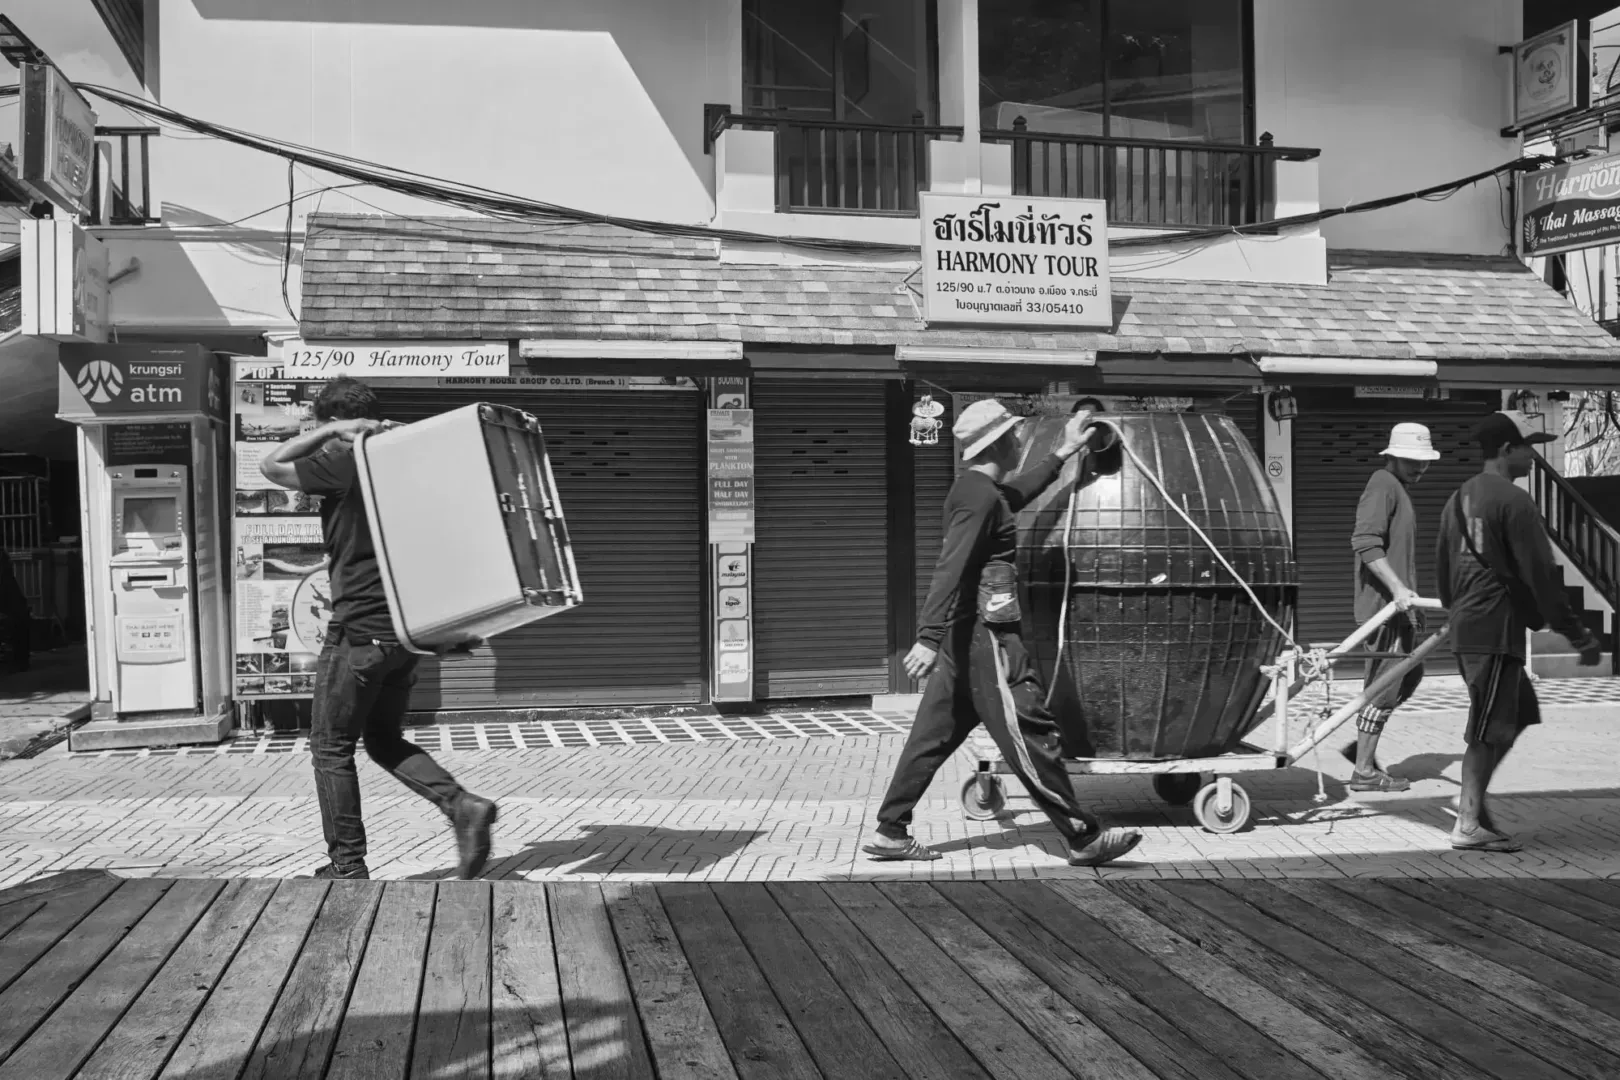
(111,978)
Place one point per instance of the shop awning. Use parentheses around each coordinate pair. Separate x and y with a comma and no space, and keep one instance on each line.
(374,278)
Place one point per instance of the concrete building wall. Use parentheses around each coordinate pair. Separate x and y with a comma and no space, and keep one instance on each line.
(1399,95)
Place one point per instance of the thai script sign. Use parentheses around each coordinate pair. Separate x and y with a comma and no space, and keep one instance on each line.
(1570,207)
(58,137)
(1003,260)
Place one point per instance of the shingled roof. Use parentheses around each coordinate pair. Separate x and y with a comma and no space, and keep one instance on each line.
(373,278)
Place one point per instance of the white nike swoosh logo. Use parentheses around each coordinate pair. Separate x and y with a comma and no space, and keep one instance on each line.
(997,605)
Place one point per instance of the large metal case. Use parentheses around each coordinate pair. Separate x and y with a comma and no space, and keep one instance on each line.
(468,528)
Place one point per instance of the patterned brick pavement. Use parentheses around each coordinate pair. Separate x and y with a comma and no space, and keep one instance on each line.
(776,808)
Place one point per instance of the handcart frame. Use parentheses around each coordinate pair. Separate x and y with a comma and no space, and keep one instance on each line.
(1205,783)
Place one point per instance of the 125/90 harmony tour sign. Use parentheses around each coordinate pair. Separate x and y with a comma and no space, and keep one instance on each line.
(1005,260)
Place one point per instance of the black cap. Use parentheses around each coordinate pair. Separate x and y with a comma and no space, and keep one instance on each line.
(1499,430)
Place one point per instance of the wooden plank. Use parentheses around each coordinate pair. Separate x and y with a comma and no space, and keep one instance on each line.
(374,1040)
(1576,903)
(1205,1021)
(53,883)
(528,1038)
(1575,1017)
(757,1033)
(901,1019)
(302,1028)
(1333,1055)
(681,1034)
(1471,1042)
(17,912)
(1035,971)
(452,1021)
(1597,993)
(1534,1036)
(604,1033)
(63,1043)
(840,1042)
(1605,892)
(217,1044)
(37,992)
(989,1031)
(142,1040)
(1468,906)
(1380,1036)
(1541,906)
(34,936)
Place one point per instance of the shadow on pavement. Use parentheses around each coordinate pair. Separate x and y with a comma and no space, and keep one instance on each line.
(617,849)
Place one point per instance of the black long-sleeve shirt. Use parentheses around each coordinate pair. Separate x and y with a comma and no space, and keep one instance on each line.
(1505,525)
(980,527)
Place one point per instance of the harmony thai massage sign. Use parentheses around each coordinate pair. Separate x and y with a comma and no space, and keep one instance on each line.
(1016,261)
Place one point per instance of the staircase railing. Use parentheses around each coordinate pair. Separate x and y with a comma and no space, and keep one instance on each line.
(1589,542)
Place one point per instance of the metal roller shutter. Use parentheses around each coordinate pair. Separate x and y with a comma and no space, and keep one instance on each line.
(629,471)
(1334,453)
(821,551)
(1248,413)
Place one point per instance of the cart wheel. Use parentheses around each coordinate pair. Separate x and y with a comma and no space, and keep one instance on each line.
(1177,789)
(1206,808)
(985,805)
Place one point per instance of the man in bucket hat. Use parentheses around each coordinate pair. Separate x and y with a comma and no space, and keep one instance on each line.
(1385,543)
(969,647)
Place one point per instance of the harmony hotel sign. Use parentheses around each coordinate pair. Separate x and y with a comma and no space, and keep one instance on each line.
(1008,261)
(1570,207)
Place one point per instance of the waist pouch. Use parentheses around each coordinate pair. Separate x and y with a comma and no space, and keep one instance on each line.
(998,594)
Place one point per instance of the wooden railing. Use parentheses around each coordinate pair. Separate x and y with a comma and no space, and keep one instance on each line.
(832,167)
(1151,181)
(1589,542)
(129,177)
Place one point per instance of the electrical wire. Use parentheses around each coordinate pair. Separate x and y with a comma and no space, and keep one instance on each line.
(476,199)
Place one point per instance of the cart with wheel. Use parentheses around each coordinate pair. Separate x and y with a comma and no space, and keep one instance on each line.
(1207,784)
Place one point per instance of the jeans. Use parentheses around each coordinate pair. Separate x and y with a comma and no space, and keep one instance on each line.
(362,689)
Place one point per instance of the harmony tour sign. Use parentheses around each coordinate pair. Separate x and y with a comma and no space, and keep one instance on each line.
(1570,207)
(1001,260)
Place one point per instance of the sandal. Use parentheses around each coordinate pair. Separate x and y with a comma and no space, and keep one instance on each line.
(911,851)
(1378,781)
(1111,845)
(1484,840)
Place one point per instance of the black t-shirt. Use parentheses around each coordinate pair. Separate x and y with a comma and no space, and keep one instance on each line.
(359,603)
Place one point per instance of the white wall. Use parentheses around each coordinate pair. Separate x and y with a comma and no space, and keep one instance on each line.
(592,104)
(1399,95)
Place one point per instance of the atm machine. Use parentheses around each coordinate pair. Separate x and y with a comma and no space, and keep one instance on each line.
(151,475)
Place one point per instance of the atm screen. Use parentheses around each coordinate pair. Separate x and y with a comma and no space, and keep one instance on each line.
(151,517)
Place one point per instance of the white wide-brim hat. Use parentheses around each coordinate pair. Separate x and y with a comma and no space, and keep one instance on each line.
(1411,441)
(981,424)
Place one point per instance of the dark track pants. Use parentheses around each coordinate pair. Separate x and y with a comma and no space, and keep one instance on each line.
(985,676)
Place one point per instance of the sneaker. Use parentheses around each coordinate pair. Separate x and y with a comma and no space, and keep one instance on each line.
(331,872)
(1378,781)
(907,849)
(1111,844)
(472,818)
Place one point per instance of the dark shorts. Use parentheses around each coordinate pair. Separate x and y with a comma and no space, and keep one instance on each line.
(1501,700)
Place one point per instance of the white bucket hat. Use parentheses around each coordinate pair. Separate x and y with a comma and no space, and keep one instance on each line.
(981,424)
(1411,441)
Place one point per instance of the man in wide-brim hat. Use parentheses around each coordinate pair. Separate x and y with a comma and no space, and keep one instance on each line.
(970,648)
(1384,540)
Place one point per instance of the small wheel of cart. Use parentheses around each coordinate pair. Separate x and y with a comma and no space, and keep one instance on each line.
(1222,807)
(983,797)
(1177,789)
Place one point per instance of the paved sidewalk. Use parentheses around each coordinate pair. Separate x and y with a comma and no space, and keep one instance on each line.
(797,808)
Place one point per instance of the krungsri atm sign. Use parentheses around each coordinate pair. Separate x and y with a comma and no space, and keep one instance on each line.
(1570,207)
(1001,260)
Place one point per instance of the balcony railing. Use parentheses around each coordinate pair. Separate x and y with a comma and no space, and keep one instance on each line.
(128,176)
(1580,533)
(825,166)
(1152,182)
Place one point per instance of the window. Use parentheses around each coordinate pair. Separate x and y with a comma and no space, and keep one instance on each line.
(849,61)
(1145,69)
